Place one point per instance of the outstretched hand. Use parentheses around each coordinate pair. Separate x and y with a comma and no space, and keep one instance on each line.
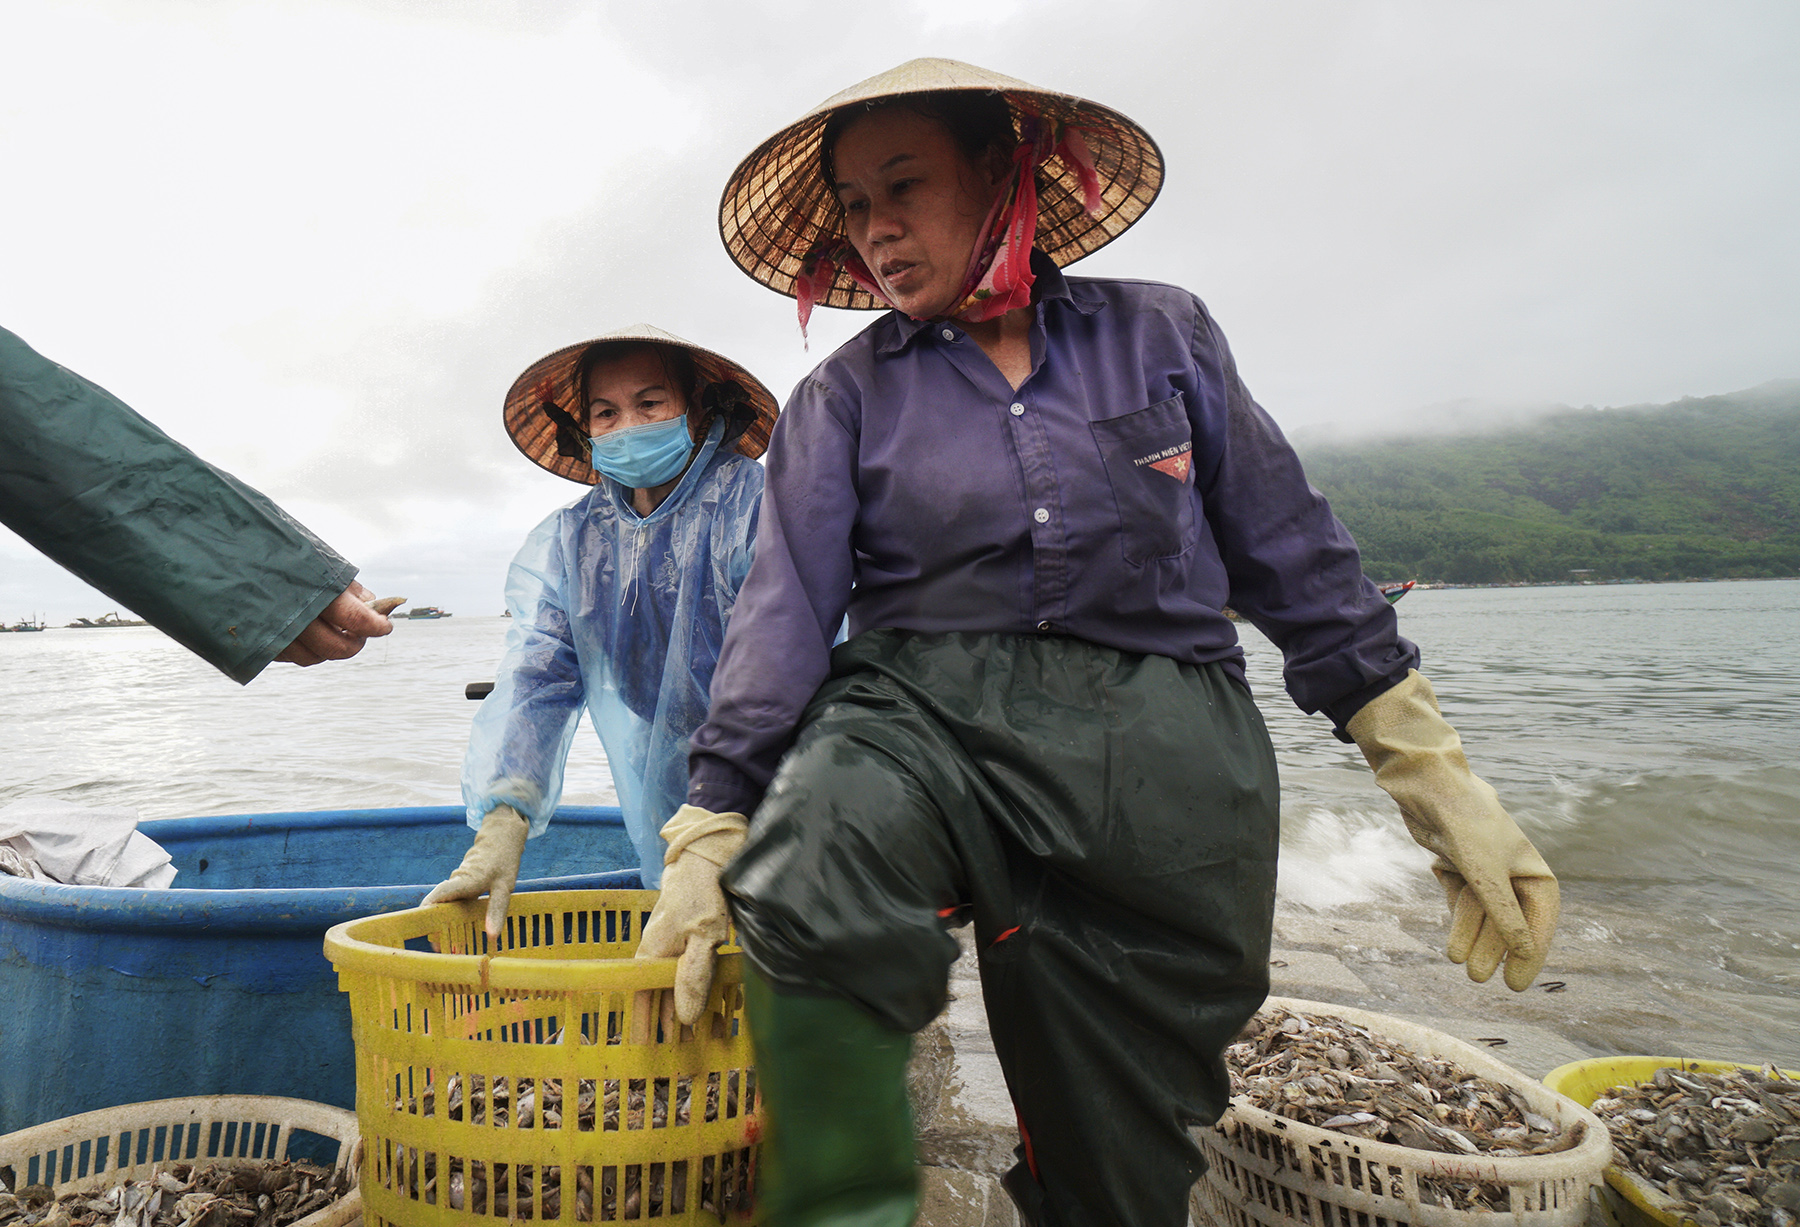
(342,627)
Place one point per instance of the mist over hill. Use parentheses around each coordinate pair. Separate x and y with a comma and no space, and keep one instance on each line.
(1705,487)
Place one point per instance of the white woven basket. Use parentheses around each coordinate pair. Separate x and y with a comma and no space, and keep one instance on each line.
(95,1151)
(1264,1170)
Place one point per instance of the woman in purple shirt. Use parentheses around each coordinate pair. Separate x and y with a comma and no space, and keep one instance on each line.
(1032,495)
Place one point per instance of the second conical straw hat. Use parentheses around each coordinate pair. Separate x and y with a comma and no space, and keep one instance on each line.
(552,381)
(777,207)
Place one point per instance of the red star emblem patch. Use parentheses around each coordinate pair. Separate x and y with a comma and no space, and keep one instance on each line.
(1175,466)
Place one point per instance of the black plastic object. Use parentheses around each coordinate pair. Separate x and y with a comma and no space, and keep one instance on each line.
(478,690)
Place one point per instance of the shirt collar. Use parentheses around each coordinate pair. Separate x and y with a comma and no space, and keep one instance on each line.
(1051,286)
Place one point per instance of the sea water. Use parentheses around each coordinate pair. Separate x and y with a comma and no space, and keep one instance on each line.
(1644,736)
(1647,739)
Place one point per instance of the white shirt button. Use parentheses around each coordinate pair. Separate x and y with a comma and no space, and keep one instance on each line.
(1041,516)
(948,334)
(1018,410)
(1043,626)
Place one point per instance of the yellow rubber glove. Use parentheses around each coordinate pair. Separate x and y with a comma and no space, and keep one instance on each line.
(490,867)
(689,920)
(1503,898)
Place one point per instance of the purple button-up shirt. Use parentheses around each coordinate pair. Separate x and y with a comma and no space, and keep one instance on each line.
(1124,494)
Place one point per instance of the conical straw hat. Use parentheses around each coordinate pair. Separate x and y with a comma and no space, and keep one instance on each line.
(776,207)
(552,378)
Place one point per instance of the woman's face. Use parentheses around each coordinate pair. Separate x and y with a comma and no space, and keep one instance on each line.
(913,205)
(631,390)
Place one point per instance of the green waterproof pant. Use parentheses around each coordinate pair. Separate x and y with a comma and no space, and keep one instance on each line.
(1109,821)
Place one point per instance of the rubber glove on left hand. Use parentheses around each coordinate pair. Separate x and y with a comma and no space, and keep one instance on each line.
(1503,898)
(490,867)
(689,920)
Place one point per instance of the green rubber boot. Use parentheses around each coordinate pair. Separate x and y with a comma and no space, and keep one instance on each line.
(837,1124)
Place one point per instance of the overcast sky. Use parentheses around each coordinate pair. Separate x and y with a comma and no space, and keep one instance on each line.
(316,241)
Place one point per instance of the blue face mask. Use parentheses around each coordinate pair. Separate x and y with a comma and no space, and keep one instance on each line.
(644,456)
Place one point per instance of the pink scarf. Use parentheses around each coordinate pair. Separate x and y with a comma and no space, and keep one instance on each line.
(999,278)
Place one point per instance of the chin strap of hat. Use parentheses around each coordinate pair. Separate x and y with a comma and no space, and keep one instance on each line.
(571,440)
(727,399)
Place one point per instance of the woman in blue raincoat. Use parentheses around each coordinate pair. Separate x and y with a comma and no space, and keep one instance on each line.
(619,601)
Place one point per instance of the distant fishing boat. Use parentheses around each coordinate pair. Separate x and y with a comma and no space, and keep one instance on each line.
(107,619)
(21,627)
(425,611)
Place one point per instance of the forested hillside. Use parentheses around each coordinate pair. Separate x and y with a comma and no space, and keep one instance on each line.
(1699,488)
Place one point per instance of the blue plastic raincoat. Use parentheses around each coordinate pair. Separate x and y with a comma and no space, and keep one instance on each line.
(625,614)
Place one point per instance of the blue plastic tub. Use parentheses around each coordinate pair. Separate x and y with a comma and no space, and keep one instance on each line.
(220,985)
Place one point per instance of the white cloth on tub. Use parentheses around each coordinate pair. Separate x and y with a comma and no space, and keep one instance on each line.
(79,845)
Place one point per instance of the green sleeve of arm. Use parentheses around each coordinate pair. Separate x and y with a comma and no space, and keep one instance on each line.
(210,562)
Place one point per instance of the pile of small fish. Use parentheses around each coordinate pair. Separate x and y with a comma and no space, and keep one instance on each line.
(593,1102)
(1329,1072)
(1723,1148)
(1332,1073)
(186,1195)
(598,1104)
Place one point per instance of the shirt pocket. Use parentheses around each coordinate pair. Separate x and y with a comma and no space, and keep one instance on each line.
(1149,458)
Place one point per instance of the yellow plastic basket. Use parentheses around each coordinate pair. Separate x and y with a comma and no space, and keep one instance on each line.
(1585,1081)
(461,1049)
(99,1150)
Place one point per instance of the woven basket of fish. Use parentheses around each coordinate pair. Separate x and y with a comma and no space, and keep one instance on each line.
(198,1161)
(543,1076)
(1341,1116)
(1702,1142)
